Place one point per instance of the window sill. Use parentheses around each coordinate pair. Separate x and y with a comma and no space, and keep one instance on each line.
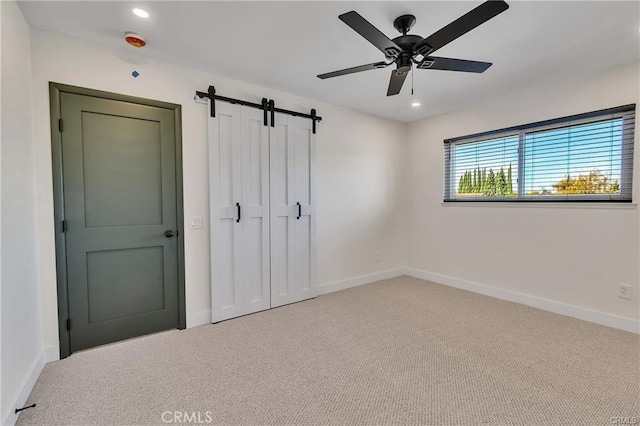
(543,205)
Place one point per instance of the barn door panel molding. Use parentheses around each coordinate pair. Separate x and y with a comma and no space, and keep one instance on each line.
(262,196)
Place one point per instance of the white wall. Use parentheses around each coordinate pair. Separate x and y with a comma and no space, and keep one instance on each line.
(359,165)
(22,355)
(575,256)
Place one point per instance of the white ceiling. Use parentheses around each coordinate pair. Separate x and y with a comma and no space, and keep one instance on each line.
(284,45)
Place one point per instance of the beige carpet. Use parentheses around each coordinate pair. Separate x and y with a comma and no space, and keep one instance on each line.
(400,351)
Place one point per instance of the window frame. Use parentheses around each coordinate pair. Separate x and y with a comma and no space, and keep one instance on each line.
(626,189)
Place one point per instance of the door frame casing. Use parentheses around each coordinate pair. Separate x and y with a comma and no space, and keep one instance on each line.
(55,89)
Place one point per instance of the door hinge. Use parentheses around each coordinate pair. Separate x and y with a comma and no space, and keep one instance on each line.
(64,226)
(60,125)
(68,324)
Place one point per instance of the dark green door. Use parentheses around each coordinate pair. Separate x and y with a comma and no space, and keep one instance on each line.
(119,184)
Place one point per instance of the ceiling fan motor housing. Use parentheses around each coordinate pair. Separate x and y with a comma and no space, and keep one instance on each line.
(407,42)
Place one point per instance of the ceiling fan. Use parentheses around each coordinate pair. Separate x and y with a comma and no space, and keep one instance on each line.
(408,49)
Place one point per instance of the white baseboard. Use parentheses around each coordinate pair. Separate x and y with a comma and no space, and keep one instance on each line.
(52,353)
(10,417)
(200,318)
(356,281)
(602,318)
(204,317)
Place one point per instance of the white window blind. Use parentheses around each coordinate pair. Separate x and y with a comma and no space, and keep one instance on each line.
(587,157)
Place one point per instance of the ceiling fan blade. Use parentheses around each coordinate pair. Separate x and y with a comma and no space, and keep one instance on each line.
(352,70)
(396,82)
(460,26)
(450,64)
(371,33)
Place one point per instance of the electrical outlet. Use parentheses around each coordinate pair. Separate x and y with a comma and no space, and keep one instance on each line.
(377,256)
(624,291)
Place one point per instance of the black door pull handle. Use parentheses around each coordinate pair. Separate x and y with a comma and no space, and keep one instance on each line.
(299,211)
(168,233)
(239,212)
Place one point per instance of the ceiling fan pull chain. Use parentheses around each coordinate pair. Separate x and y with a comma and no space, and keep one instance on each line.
(411,81)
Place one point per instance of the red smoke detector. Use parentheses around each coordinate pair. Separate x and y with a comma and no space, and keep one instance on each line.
(134,39)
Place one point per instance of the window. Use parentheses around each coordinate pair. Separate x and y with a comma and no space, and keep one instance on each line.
(586,157)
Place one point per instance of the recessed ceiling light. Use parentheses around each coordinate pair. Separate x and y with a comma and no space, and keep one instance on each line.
(141,13)
(415,104)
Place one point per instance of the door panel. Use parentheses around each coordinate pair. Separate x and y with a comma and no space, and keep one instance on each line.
(239,185)
(224,192)
(119,176)
(302,189)
(109,165)
(109,283)
(291,144)
(279,141)
(255,204)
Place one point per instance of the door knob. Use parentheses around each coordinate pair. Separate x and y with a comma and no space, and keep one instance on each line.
(168,233)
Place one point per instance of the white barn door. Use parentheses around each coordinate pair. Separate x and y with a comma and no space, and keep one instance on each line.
(292,175)
(239,211)
(256,270)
